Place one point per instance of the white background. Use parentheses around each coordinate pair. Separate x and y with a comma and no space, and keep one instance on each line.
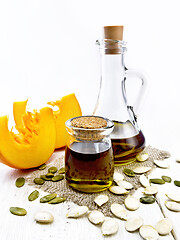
(47,50)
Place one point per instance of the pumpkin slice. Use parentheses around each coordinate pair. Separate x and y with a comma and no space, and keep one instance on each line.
(68,107)
(33,144)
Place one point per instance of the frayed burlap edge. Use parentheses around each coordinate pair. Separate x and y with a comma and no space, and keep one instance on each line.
(87,199)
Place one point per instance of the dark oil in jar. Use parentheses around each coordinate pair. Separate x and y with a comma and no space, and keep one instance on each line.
(125,149)
(89,166)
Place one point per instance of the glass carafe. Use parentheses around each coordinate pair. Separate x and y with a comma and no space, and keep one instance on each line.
(127,138)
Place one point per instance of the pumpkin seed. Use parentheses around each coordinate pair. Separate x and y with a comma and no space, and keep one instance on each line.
(18,211)
(131,203)
(118,190)
(148,232)
(144,181)
(77,212)
(141,169)
(44,217)
(147,200)
(39,181)
(178,160)
(33,196)
(119,211)
(174,197)
(157,181)
(52,170)
(142,157)
(45,178)
(110,226)
(125,184)
(133,223)
(164,226)
(118,177)
(42,167)
(166,179)
(50,175)
(150,190)
(173,206)
(177,183)
(57,200)
(101,199)
(20,182)
(57,178)
(48,198)
(161,164)
(129,172)
(61,170)
(96,217)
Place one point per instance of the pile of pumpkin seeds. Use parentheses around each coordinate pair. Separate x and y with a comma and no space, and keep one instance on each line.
(109,225)
(42,217)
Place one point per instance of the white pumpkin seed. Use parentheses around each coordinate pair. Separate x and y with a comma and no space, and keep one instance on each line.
(142,157)
(119,211)
(101,199)
(96,217)
(141,169)
(151,190)
(44,217)
(131,203)
(174,197)
(110,226)
(148,232)
(178,160)
(77,212)
(118,190)
(144,181)
(164,226)
(173,206)
(133,223)
(125,184)
(118,177)
(161,164)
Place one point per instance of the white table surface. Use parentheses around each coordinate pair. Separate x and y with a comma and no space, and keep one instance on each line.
(16,228)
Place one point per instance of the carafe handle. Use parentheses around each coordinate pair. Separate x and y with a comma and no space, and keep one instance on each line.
(131,74)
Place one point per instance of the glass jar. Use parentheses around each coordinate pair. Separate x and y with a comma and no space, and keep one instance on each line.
(89,163)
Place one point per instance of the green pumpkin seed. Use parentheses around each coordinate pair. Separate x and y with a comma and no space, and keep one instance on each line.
(42,167)
(166,179)
(129,172)
(157,180)
(48,198)
(57,200)
(39,181)
(52,170)
(20,182)
(57,178)
(45,178)
(177,183)
(33,196)
(147,200)
(18,211)
(50,175)
(61,170)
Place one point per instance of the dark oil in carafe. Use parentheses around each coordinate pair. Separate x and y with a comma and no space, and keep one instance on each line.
(89,166)
(127,142)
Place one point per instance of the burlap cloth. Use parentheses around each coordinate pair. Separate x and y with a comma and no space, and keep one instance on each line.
(87,199)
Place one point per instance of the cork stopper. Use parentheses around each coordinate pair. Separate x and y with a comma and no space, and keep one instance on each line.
(89,122)
(113,32)
(90,128)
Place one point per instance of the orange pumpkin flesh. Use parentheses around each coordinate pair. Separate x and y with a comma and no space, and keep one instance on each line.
(34,143)
(68,108)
